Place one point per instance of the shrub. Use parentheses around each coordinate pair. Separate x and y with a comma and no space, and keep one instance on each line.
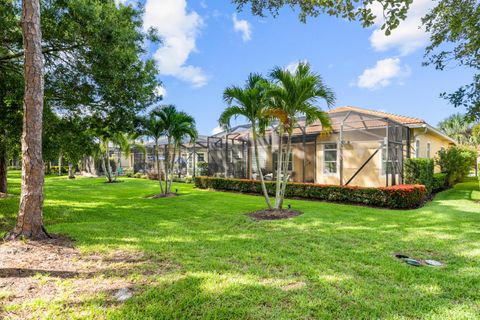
(395,197)
(138,175)
(439,182)
(128,172)
(457,163)
(54,169)
(202,168)
(419,171)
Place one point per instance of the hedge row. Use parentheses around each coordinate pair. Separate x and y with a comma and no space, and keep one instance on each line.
(395,197)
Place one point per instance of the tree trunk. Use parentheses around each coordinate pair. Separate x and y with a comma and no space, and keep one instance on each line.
(257,161)
(167,150)
(30,213)
(70,171)
(278,184)
(108,167)
(285,170)
(172,167)
(60,164)
(157,161)
(3,170)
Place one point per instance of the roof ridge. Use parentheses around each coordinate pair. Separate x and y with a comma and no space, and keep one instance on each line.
(378,112)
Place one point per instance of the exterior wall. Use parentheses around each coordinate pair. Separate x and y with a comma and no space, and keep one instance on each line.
(424,137)
(358,148)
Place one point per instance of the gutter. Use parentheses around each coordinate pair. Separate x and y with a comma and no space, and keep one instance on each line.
(428,127)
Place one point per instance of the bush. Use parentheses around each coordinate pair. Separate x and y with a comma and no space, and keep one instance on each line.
(419,171)
(138,175)
(128,172)
(395,197)
(202,168)
(54,169)
(439,182)
(456,163)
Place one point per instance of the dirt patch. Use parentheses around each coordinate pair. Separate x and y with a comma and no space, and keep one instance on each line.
(294,286)
(53,270)
(274,214)
(162,195)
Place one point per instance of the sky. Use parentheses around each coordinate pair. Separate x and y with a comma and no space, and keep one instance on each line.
(208,46)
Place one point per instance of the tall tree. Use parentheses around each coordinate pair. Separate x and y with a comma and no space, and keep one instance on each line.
(249,102)
(295,94)
(173,122)
(183,128)
(361,10)
(152,127)
(30,215)
(454,28)
(458,127)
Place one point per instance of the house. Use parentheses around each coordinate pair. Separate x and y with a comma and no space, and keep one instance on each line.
(365,148)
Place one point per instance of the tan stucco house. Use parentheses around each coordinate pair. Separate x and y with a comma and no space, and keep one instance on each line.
(355,153)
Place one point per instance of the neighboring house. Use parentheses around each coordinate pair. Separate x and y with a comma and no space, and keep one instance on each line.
(365,148)
(355,153)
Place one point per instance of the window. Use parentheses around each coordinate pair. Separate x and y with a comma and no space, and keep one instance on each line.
(417,148)
(390,161)
(201,157)
(275,158)
(262,158)
(428,149)
(330,158)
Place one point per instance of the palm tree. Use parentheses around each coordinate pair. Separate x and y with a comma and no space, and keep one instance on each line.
(176,125)
(292,95)
(249,102)
(458,127)
(183,127)
(153,127)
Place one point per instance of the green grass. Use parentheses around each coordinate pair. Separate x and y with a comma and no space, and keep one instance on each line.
(334,261)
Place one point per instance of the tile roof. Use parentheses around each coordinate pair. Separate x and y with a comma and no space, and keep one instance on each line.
(395,117)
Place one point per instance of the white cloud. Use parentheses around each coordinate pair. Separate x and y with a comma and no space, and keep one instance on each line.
(179,29)
(242,26)
(382,74)
(217,129)
(408,36)
(292,66)
(161,91)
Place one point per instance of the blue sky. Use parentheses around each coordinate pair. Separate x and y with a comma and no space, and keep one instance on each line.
(209,46)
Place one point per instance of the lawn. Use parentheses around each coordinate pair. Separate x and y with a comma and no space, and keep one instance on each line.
(202,257)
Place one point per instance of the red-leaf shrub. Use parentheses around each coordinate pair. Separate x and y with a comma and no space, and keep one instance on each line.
(395,197)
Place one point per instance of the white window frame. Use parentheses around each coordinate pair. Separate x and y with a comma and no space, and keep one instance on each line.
(417,148)
(336,160)
(383,171)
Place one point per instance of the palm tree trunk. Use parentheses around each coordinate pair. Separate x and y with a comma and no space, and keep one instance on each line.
(257,161)
(108,167)
(278,184)
(30,214)
(167,151)
(157,162)
(172,167)
(285,169)
(70,171)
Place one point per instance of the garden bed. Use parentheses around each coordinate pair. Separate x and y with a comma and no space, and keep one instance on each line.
(394,197)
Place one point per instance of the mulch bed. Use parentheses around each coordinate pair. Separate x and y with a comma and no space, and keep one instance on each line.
(274,214)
